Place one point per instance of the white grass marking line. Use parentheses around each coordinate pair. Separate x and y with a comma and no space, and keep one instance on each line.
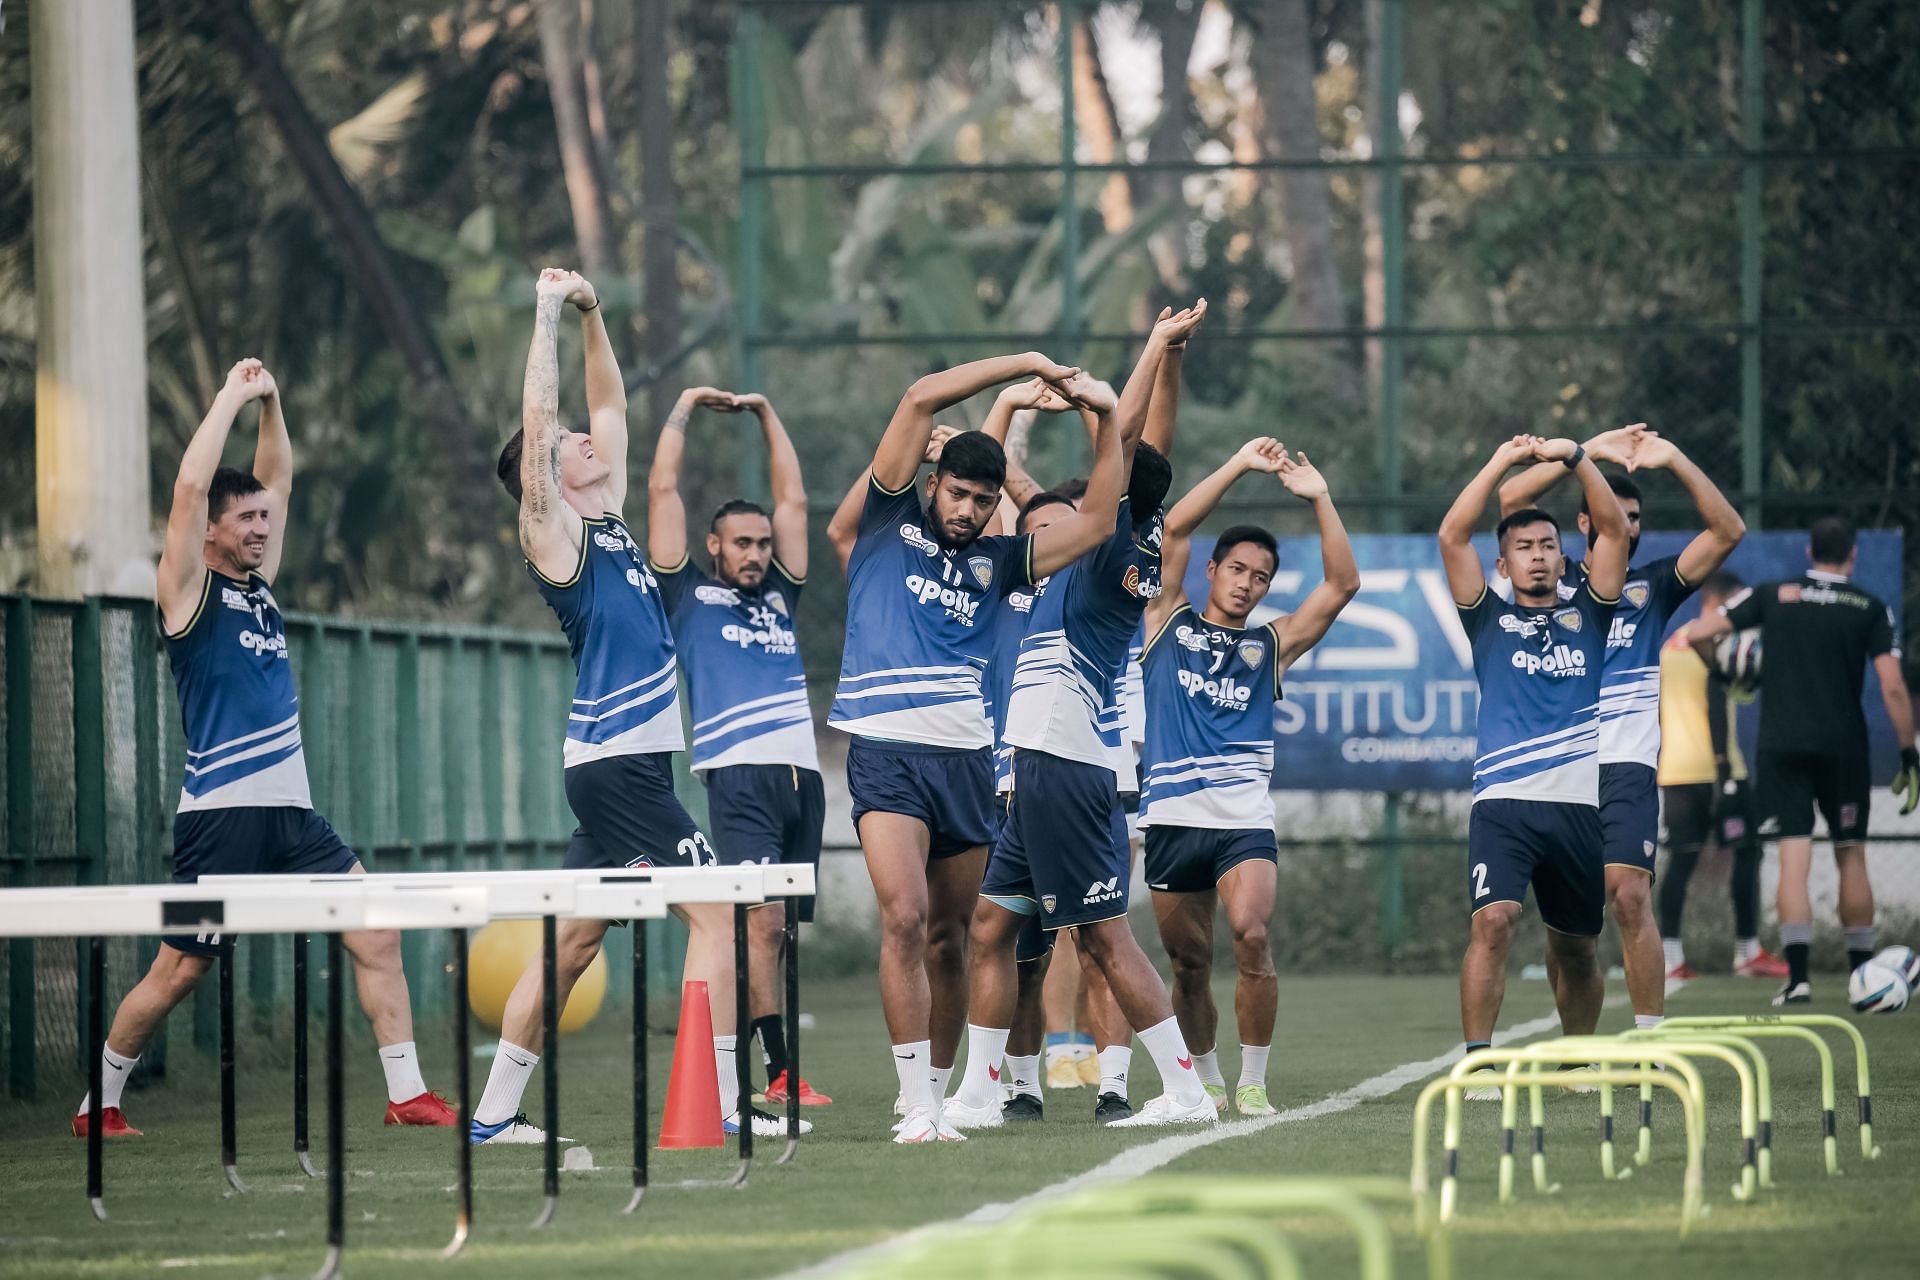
(1148,1156)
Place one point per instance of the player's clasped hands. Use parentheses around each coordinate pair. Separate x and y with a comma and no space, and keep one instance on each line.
(249,380)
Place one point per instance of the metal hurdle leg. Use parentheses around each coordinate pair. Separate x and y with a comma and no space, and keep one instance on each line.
(463,1089)
(639,1064)
(336,1113)
(96,1048)
(229,1140)
(742,1027)
(793,1031)
(300,1154)
(550,1047)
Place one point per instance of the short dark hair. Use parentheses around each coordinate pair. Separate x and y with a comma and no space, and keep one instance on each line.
(1524,516)
(1044,498)
(1622,488)
(735,507)
(1151,478)
(1243,533)
(974,456)
(229,484)
(1831,540)
(1721,583)
(1073,490)
(508,467)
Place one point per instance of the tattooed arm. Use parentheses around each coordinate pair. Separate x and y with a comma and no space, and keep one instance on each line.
(550,531)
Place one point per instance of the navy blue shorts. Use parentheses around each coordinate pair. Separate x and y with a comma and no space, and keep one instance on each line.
(1629,815)
(1007,866)
(1790,785)
(1065,842)
(281,840)
(950,791)
(1553,847)
(1192,859)
(767,813)
(630,817)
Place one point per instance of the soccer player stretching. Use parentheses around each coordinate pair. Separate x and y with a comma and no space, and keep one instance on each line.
(1818,633)
(924,589)
(244,805)
(1062,856)
(1630,681)
(625,721)
(1206,807)
(752,727)
(1536,780)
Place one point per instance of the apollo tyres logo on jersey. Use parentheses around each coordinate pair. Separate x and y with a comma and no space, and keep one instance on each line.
(948,591)
(1563,660)
(1223,692)
(257,642)
(1620,632)
(763,629)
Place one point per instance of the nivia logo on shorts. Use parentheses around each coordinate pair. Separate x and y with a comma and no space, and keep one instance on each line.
(1107,890)
(1225,693)
(1563,661)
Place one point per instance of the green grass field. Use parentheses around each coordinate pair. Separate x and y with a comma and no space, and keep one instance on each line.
(851,1187)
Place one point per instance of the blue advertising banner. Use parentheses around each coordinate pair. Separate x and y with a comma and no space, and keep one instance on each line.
(1387,702)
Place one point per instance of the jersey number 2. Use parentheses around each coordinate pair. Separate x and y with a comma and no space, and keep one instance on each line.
(1479,880)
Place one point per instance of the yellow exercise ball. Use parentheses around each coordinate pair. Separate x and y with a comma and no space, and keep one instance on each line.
(501,952)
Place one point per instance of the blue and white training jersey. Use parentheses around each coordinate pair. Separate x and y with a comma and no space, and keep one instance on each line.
(1133,693)
(238,702)
(1008,630)
(626,695)
(742,659)
(1539,674)
(1630,672)
(1066,684)
(920,626)
(1210,690)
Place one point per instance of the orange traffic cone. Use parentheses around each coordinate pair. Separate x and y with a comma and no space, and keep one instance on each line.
(692,1116)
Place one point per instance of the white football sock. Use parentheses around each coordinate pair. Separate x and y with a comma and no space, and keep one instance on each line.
(1208,1065)
(1253,1063)
(1673,953)
(1745,949)
(506,1082)
(1061,1053)
(729,1072)
(114,1071)
(1113,1068)
(1023,1073)
(1169,1049)
(980,1086)
(401,1062)
(913,1064)
(1641,1021)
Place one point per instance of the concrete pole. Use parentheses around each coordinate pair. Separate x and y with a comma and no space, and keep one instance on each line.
(94,498)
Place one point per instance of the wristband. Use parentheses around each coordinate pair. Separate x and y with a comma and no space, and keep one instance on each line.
(1579,456)
(594,307)
(1910,758)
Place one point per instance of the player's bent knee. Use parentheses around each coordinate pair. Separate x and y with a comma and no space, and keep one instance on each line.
(1253,950)
(374,948)
(1494,923)
(1630,897)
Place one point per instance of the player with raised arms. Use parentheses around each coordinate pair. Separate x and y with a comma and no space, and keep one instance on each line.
(1061,860)
(924,588)
(1536,781)
(244,804)
(624,725)
(1210,682)
(733,629)
(1630,680)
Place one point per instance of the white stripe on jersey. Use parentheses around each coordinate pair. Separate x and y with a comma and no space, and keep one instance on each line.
(1576,782)
(290,738)
(652,681)
(639,740)
(291,722)
(279,785)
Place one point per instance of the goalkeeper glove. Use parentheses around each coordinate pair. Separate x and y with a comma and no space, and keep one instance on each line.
(1906,783)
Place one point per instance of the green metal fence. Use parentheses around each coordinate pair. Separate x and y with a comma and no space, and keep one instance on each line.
(428,748)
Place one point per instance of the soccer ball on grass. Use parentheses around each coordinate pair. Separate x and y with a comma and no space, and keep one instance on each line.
(1877,988)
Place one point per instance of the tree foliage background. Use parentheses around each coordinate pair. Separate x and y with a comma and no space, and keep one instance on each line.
(484,138)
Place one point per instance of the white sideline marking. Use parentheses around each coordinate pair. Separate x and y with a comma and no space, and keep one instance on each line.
(1148,1156)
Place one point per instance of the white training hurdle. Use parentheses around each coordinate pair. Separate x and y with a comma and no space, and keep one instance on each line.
(456,901)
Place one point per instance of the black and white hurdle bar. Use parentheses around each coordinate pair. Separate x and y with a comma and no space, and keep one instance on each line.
(550,895)
(99,912)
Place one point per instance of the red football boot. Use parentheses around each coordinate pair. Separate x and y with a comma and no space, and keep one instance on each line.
(1682,972)
(429,1109)
(777,1093)
(113,1124)
(1762,964)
